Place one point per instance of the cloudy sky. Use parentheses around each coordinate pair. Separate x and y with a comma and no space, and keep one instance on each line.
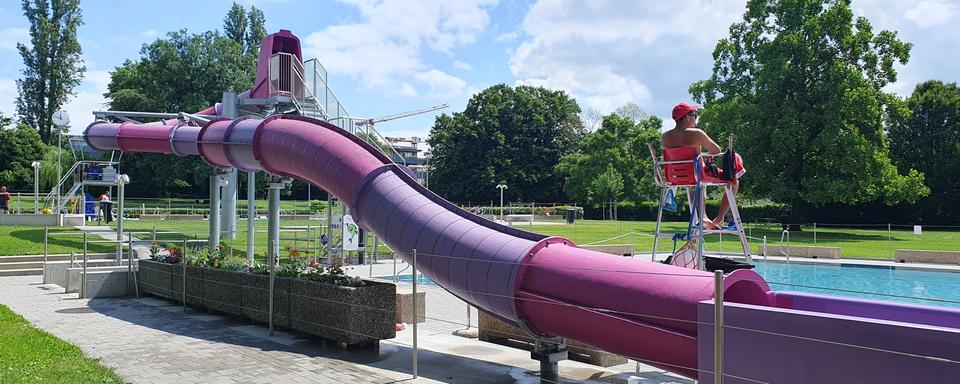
(391,56)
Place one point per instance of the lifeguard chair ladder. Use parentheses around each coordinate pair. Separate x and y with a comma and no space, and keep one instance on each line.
(679,170)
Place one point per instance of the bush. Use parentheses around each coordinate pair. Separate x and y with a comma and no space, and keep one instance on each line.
(647,211)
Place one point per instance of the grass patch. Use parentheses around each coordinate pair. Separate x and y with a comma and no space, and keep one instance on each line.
(25,240)
(29,355)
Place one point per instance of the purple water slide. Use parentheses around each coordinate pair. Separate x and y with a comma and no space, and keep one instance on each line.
(644,310)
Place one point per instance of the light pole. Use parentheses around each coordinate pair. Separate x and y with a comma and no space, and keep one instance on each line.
(501,187)
(36,186)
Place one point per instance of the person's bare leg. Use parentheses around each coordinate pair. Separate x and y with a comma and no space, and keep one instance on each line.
(725,204)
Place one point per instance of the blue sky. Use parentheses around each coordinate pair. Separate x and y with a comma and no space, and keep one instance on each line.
(391,56)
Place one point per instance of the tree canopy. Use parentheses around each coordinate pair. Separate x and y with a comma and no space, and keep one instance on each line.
(619,147)
(52,63)
(928,140)
(183,72)
(504,135)
(798,82)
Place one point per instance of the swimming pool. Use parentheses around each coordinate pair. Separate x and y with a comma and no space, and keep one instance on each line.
(886,282)
(853,280)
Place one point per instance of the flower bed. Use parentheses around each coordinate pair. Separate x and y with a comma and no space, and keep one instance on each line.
(311,299)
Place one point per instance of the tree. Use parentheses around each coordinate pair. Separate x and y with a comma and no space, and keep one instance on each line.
(181,72)
(798,83)
(505,135)
(256,31)
(621,145)
(608,187)
(235,24)
(928,140)
(21,146)
(52,63)
(5,121)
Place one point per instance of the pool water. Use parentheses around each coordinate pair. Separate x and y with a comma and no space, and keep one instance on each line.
(851,280)
(887,283)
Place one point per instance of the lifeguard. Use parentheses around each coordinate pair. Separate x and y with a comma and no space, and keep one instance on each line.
(684,141)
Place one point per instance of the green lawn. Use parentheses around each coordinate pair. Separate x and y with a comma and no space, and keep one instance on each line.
(29,355)
(24,240)
(863,242)
(866,242)
(199,230)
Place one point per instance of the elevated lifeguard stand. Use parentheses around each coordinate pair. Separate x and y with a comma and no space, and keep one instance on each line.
(680,168)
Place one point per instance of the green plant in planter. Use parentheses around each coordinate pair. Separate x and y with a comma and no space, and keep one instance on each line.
(234,264)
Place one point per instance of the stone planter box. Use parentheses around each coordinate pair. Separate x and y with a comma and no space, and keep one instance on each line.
(355,317)
(156,278)
(222,291)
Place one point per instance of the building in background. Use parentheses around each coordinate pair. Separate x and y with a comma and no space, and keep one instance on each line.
(415,153)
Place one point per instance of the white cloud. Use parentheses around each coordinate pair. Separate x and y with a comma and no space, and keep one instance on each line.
(89,98)
(8,96)
(9,37)
(441,84)
(929,13)
(506,37)
(385,49)
(150,33)
(461,65)
(609,53)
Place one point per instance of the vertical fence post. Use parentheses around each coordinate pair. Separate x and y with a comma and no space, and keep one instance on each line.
(814,233)
(889,240)
(183,261)
(272,259)
(129,259)
(46,233)
(415,314)
(718,327)
(83,277)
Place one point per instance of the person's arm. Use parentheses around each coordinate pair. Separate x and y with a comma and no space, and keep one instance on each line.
(708,143)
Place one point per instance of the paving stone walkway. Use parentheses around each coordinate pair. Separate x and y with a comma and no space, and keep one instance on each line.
(153,341)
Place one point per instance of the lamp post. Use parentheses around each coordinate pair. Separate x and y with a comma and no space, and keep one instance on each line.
(501,187)
(36,186)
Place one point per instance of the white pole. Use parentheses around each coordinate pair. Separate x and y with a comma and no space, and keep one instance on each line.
(415,313)
(251,213)
(36,187)
(718,327)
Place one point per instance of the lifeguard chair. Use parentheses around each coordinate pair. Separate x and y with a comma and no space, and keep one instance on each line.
(681,168)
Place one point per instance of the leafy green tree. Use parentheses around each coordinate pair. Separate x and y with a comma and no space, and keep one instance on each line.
(928,140)
(505,135)
(21,146)
(5,121)
(608,187)
(182,72)
(620,144)
(798,82)
(52,63)
(256,31)
(235,23)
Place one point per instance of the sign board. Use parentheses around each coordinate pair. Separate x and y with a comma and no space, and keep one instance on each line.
(917,230)
(351,234)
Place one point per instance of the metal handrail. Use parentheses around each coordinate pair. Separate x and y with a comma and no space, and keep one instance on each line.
(786,253)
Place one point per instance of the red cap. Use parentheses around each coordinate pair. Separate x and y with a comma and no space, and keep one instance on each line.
(683,109)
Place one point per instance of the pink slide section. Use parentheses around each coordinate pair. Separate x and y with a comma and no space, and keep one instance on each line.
(643,310)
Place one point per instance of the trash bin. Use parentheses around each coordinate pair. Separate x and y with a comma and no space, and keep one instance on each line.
(571,215)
